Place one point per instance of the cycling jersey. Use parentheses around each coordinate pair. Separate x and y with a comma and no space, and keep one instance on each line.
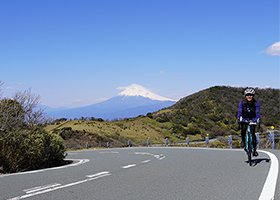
(248,110)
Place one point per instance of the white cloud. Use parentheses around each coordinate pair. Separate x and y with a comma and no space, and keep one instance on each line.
(274,49)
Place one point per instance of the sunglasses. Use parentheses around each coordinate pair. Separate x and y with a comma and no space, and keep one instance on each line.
(250,95)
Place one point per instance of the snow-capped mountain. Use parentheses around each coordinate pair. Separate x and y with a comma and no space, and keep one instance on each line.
(138,90)
(132,101)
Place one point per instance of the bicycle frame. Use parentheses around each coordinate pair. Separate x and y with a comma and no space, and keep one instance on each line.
(249,143)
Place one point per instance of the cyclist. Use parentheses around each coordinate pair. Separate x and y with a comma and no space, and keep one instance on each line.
(249,110)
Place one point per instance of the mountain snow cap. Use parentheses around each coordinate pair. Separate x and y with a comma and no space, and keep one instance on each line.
(138,90)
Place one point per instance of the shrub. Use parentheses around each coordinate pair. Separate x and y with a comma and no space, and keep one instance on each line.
(23,150)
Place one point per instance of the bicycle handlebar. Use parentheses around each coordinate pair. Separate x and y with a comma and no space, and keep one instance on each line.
(252,123)
(249,122)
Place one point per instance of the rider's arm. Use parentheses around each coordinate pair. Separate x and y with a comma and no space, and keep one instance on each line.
(239,113)
(258,115)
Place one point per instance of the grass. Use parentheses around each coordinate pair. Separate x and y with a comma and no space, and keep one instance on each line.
(138,130)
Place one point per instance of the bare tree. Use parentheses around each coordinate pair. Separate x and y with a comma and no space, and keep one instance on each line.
(1,85)
(33,115)
(21,111)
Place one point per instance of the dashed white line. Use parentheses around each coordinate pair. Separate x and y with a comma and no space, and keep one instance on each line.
(143,153)
(128,166)
(97,174)
(35,189)
(146,161)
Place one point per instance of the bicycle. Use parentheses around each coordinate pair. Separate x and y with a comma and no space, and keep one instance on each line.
(249,142)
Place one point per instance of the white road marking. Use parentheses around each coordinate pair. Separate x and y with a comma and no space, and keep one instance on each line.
(80,162)
(161,157)
(145,161)
(60,187)
(158,157)
(97,174)
(128,166)
(113,152)
(143,153)
(35,189)
(269,187)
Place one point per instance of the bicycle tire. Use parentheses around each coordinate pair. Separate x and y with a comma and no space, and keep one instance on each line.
(249,147)
(250,155)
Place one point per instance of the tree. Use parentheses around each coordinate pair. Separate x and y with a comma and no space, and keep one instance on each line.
(24,144)
(11,115)
(33,116)
(20,111)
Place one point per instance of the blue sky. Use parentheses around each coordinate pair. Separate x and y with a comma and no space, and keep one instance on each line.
(74,53)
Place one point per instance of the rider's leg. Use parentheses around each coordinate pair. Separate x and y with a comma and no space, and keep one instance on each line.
(253,129)
(243,133)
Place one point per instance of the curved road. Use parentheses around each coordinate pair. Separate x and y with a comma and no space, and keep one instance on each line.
(150,173)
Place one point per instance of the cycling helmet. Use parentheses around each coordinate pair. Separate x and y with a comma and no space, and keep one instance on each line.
(249,91)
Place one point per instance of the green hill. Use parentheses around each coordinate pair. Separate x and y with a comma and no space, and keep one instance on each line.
(211,111)
(214,110)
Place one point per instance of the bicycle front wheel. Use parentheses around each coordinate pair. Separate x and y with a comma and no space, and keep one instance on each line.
(249,156)
(249,147)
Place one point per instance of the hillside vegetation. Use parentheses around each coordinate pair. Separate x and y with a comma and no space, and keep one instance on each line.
(211,111)
(214,110)
(98,133)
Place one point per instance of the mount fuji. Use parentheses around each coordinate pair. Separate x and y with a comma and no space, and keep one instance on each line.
(132,101)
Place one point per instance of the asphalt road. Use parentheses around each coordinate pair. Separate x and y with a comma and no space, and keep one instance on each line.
(150,173)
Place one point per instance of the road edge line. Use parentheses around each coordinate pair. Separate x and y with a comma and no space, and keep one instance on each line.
(80,162)
(269,187)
